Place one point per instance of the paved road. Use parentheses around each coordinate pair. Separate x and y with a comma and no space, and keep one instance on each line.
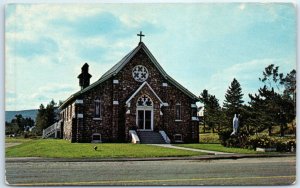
(250,171)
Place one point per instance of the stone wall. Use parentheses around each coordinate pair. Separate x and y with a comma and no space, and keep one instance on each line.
(103,124)
(168,94)
(68,115)
(115,123)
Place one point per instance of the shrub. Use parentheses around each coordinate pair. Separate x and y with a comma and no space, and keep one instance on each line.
(209,138)
(224,136)
(280,143)
(263,141)
(240,140)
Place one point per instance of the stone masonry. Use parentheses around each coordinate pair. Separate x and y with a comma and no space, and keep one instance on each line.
(117,117)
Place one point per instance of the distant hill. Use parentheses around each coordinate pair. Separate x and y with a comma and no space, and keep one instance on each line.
(9,115)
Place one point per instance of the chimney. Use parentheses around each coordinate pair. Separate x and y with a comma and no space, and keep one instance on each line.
(84,77)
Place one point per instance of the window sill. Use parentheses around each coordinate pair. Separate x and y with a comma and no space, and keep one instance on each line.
(178,141)
(178,120)
(97,119)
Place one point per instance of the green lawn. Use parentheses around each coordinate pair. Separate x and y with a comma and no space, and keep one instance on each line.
(64,149)
(17,140)
(218,147)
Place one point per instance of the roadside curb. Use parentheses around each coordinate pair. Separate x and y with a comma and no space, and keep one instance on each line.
(204,157)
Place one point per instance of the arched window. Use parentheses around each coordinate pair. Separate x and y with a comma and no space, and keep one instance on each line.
(178,111)
(97,108)
(144,101)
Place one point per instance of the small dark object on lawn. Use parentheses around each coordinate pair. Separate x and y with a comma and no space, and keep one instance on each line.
(95,148)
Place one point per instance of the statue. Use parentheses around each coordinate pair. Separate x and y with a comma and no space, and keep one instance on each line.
(235,123)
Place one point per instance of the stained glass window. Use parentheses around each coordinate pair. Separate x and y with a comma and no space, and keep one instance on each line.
(144,101)
(97,108)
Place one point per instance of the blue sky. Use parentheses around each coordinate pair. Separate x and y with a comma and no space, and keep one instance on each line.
(202,46)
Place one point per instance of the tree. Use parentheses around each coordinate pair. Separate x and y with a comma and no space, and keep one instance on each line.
(20,122)
(46,116)
(276,99)
(264,109)
(11,128)
(212,110)
(18,125)
(233,99)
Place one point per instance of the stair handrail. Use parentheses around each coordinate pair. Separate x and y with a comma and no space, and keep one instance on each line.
(134,137)
(165,136)
(54,127)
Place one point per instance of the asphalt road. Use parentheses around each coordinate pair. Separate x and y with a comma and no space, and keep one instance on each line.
(248,171)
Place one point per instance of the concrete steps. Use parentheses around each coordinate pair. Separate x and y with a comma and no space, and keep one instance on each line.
(150,137)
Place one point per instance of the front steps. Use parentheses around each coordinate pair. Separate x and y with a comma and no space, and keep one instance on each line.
(150,137)
(53,131)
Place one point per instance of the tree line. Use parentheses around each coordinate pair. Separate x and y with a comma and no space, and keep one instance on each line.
(46,116)
(274,104)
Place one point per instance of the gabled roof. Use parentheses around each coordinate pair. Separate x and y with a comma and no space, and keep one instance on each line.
(141,86)
(117,67)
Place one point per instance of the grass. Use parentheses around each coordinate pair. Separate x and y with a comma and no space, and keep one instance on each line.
(51,148)
(17,140)
(218,147)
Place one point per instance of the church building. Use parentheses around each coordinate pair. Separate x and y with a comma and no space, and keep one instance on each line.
(135,96)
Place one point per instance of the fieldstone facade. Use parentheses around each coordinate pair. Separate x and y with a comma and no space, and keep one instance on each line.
(135,94)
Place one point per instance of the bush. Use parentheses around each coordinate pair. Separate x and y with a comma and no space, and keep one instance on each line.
(240,140)
(263,141)
(30,135)
(224,136)
(280,143)
(209,138)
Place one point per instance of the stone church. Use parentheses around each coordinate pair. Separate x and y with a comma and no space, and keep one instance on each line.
(135,98)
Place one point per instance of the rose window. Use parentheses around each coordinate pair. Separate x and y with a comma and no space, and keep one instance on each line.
(140,73)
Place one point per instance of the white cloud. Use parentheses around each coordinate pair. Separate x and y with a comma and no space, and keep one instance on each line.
(242,6)
(185,28)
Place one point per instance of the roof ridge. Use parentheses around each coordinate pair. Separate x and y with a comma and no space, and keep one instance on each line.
(118,66)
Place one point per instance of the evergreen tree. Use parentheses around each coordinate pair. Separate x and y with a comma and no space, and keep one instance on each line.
(45,116)
(212,110)
(40,120)
(264,109)
(20,122)
(275,101)
(233,99)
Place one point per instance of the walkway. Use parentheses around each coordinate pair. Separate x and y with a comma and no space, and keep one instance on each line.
(11,144)
(190,149)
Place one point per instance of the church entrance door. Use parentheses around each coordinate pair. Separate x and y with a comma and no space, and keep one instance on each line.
(144,113)
(144,119)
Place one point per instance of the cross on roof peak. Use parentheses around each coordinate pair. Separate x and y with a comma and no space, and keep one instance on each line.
(140,35)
